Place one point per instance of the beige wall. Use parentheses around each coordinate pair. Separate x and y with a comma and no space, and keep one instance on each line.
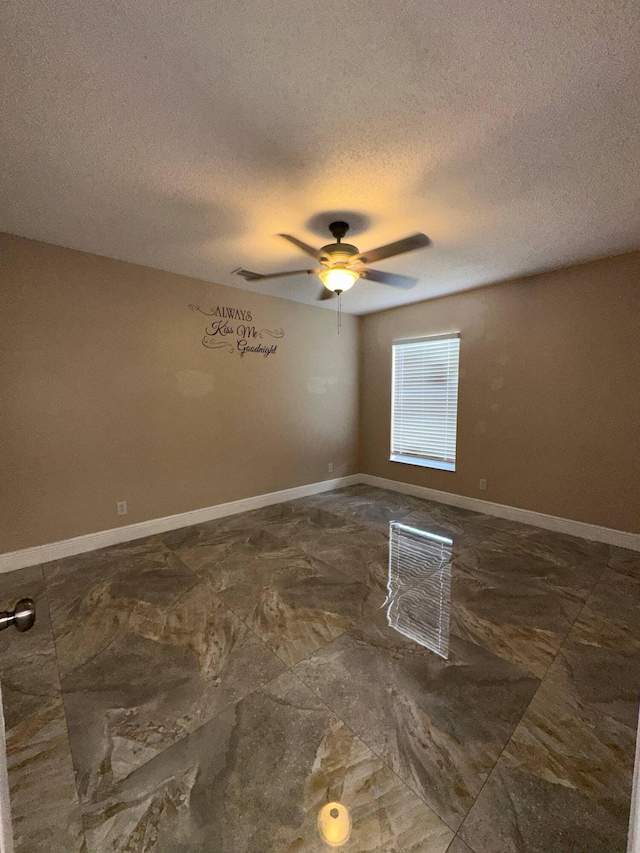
(549,396)
(108,394)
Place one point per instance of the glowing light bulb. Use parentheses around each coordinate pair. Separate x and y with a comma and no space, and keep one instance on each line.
(334,824)
(339,278)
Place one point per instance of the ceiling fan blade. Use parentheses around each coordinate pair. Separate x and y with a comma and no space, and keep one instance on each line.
(325,294)
(315,253)
(393,279)
(409,244)
(257,276)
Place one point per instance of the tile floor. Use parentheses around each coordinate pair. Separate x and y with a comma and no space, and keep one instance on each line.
(212,688)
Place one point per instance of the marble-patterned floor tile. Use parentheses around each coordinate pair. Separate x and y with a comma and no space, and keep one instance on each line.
(585,714)
(45,812)
(147,654)
(439,724)
(374,508)
(521,812)
(564,780)
(293,511)
(91,596)
(145,569)
(458,846)
(224,558)
(298,603)
(346,501)
(598,668)
(318,533)
(264,534)
(312,529)
(559,564)
(237,527)
(182,741)
(563,546)
(44,805)
(615,602)
(459,525)
(254,779)
(294,602)
(624,561)
(230,532)
(361,555)
(521,622)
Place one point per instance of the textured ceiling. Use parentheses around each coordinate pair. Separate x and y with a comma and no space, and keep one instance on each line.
(185,134)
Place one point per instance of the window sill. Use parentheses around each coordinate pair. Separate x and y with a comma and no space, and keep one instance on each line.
(423,463)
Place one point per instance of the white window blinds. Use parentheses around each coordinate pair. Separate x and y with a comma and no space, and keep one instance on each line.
(424,402)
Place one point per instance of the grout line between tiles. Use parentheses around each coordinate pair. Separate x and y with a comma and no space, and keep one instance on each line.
(336,714)
(548,669)
(370,748)
(182,563)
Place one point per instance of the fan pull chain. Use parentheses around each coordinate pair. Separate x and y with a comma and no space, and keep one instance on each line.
(339,310)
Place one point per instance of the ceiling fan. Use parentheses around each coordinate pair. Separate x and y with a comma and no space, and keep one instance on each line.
(343,264)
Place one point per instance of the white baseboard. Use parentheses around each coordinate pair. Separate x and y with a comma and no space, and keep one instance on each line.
(92,541)
(527,516)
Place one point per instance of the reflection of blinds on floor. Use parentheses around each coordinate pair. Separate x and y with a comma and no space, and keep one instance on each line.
(419,586)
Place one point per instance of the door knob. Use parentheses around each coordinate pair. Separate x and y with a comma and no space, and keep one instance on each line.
(23,616)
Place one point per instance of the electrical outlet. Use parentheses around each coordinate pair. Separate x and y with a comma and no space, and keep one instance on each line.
(482,485)
(331,467)
(121,507)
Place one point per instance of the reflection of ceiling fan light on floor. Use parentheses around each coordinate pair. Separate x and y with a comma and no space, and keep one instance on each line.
(334,824)
(343,264)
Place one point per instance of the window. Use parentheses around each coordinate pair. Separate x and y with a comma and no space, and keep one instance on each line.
(424,401)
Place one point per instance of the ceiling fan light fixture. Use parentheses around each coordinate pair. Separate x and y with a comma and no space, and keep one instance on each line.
(337,261)
(338,278)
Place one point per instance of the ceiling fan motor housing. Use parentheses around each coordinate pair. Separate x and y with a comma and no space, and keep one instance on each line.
(337,253)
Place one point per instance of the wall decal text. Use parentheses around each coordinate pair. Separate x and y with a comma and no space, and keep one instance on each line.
(242,337)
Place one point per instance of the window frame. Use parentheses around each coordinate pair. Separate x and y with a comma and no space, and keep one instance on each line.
(422,461)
